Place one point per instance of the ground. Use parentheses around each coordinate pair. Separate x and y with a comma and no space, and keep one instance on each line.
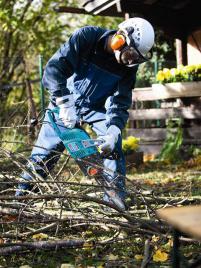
(108,238)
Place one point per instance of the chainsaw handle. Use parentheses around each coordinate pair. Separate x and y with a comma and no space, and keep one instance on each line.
(53,121)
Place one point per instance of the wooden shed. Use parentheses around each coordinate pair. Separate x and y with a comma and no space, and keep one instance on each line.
(180,20)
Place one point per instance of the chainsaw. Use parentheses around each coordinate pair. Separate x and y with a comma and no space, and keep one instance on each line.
(84,151)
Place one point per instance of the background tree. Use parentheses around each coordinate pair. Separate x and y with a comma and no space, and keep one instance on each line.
(29,28)
(26,29)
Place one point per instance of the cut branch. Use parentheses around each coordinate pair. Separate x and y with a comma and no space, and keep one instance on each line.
(17,247)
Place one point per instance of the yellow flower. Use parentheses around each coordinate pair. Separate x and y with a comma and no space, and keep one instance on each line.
(160,76)
(179,74)
(167,73)
(130,144)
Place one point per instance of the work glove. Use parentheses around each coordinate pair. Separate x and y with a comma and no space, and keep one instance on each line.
(67,111)
(110,139)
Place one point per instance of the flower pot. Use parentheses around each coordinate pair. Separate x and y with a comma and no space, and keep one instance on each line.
(134,159)
(177,89)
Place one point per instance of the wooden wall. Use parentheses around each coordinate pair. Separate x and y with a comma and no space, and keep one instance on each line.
(177,100)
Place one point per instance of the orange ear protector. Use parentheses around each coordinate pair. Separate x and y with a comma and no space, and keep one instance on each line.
(118,41)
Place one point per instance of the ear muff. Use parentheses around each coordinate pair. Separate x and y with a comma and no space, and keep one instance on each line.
(118,41)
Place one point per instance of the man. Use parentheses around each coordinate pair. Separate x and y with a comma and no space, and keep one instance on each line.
(91,78)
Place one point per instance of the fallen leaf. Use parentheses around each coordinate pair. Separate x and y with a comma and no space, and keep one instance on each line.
(66,265)
(9,218)
(88,245)
(149,182)
(155,238)
(112,257)
(138,257)
(40,236)
(160,256)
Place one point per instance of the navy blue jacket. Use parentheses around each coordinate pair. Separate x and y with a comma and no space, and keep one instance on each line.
(82,66)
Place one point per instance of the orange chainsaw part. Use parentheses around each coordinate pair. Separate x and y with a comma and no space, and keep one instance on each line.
(91,171)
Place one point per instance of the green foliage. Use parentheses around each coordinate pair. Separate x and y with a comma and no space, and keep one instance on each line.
(145,74)
(30,28)
(163,55)
(194,151)
(173,142)
(186,73)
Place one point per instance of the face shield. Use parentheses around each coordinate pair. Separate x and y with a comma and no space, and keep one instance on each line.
(130,56)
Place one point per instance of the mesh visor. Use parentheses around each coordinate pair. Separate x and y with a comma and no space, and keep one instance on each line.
(131,55)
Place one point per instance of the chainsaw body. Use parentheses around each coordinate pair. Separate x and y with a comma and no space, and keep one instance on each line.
(84,151)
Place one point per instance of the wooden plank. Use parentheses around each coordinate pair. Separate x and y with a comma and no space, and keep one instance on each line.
(106,7)
(179,89)
(167,91)
(186,219)
(143,94)
(152,139)
(72,10)
(147,134)
(90,6)
(159,134)
(97,6)
(165,113)
(158,142)
(154,147)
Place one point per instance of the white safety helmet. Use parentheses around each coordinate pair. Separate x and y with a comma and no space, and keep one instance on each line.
(139,32)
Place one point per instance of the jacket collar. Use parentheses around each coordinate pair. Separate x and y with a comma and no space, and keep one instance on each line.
(102,41)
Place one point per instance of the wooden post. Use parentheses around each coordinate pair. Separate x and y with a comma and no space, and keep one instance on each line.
(127,16)
(175,250)
(181,51)
(42,95)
